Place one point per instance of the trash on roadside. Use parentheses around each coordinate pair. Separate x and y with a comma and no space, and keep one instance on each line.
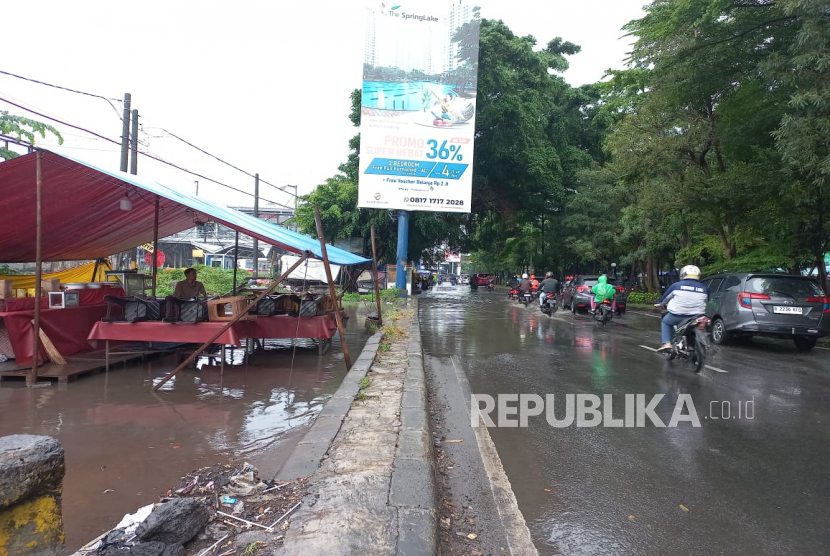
(209,505)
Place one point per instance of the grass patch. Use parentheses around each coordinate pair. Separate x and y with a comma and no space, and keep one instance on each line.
(393,331)
(364,383)
(384,347)
(385,295)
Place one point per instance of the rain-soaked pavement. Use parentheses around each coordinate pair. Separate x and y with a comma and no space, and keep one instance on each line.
(756,485)
(119,436)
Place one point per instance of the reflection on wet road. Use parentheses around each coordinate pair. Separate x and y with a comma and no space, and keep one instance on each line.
(118,436)
(733,485)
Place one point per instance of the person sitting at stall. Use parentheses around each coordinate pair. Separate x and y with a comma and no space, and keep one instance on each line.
(186,290)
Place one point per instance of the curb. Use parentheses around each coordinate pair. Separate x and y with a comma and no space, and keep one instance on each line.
(414,490)
(309,452)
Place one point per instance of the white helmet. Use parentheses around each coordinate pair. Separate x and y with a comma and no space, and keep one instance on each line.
(690,271)
(524,276)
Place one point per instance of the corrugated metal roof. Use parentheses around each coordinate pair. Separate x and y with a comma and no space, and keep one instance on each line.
(82,218)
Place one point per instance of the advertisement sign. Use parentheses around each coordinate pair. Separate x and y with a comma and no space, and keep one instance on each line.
(452,256)
(418,110)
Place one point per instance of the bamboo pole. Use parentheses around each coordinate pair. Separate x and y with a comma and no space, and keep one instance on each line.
(32,377)
(375,270)
(230,323)
(337,316)
(155,248)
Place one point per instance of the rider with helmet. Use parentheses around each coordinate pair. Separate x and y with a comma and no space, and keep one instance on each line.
(524,285)
(548,285)
(684,299)
(534,283)
(601,291)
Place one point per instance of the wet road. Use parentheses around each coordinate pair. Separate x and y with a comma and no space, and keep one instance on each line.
(735,484)
(117,435)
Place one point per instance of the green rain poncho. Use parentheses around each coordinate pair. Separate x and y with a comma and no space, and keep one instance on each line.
(602,290)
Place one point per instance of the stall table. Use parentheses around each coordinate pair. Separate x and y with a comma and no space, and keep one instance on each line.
(320,327)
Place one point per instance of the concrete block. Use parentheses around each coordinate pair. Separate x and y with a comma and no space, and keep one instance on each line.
(30,465)
(413,485)
(414,418)
(414,444)
(417,534)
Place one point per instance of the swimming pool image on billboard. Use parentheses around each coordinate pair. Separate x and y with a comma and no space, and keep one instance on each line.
(385,95)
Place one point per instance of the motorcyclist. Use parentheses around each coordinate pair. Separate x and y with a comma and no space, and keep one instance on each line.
(548,285)
(534,283)
(602,290)
(524,285)
(684,299)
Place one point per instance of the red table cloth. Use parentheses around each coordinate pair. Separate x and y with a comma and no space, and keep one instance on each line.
(320,327)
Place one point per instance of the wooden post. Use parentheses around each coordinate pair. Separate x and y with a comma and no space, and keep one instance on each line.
(32,378)
(230,323)
(337,316)
(375,270)
(155,248)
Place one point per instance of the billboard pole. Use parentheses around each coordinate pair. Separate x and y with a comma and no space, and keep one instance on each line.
(403,245)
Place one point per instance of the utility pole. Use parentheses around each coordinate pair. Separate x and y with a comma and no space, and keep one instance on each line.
(125,133)
(134,144)
(256,215)
(403,246)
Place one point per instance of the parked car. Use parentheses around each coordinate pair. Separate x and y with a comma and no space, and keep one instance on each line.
(465,278)
(777,305)
(577,294)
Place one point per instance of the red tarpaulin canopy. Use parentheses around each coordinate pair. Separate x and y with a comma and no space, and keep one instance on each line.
(83,219)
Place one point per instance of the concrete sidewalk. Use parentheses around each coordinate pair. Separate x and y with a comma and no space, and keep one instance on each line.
(375,491)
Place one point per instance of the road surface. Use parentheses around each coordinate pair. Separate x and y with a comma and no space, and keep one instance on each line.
(754,483)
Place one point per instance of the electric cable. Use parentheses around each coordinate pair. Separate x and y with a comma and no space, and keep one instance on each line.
(67,89)
(147,154)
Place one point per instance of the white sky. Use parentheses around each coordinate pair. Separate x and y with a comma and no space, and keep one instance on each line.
(263,84)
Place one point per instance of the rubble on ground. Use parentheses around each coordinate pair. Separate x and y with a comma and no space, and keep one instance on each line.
(221,510)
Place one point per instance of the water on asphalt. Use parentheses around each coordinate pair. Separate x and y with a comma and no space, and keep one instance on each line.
(126,446)
(754,483)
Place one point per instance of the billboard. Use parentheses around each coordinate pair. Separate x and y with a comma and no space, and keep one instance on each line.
(452,256)
(418,107)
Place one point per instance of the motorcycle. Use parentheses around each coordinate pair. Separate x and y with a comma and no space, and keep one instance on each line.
(604,312)
(690,341)
(549,306)
(513,293)
(526,297)
(490,286)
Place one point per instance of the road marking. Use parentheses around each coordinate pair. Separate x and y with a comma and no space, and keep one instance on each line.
(710,367)
(825,349)
(647,314)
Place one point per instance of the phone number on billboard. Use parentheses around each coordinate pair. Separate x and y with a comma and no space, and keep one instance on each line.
(425,200)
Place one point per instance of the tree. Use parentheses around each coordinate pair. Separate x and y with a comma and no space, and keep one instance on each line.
(23,129)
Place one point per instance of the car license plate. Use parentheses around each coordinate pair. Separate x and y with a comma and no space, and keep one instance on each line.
(786,310)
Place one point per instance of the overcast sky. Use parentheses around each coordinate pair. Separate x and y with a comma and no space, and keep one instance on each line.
(264,85)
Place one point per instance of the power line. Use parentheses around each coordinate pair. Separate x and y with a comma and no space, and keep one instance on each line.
(170,133)
(156,158)
(66,89)
(188,143)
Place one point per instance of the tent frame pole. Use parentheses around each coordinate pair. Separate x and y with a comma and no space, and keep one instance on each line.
(235,259)
(31,379)
(337,316)
(230,323)
(155,257)
(375,271)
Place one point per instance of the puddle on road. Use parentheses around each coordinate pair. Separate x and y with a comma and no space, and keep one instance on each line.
(117,435)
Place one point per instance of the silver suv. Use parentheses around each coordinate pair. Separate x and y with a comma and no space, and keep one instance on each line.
(779,305)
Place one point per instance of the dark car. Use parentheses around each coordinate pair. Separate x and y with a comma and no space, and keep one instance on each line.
(577,294)
(777,305)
